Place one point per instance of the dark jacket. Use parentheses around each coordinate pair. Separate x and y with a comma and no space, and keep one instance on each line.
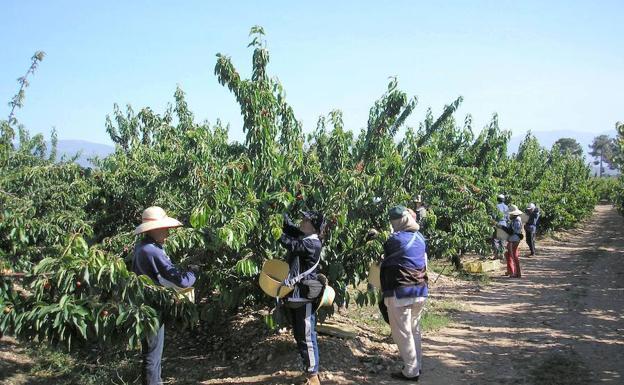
(404,270)
(533,217)
(150,259)
(304,252)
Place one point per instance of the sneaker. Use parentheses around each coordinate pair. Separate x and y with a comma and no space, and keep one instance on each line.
(401,376)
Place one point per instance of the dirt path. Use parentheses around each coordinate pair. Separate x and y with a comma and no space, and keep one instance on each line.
(561,323)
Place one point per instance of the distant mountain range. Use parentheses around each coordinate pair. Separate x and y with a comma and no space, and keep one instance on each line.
(546,138)
(87,150)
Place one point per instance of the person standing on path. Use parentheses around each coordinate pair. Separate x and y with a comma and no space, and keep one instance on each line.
(151,260)
(304,247)
(405,290)
(515,235)
(530,228)
(502,217)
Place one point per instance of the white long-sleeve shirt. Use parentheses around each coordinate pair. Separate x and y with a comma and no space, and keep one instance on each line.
(505,211)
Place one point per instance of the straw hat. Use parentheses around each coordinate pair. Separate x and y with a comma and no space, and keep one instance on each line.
(155,218)
(514,210)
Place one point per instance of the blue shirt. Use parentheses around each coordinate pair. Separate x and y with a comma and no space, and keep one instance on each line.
(399,251)
(516,226)
(504,210)
(403,270)
(150,259)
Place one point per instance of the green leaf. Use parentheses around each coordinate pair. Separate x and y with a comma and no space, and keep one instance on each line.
(246,268)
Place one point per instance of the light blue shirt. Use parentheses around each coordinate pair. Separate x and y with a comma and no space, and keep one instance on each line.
(505,211)
(516,226)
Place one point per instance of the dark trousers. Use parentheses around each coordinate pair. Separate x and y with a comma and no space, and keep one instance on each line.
(530,238)
(304,330)
(152,348)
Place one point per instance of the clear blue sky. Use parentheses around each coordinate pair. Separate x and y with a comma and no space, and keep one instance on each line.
(541,65)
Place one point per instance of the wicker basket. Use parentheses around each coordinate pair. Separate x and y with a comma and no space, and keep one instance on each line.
(374,275)
(188,292)
(328,297)
(273,273)
(501,234)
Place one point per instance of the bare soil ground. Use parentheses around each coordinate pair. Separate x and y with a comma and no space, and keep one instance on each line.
(561,323)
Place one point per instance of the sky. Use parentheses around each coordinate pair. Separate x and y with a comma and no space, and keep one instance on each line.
(542,66)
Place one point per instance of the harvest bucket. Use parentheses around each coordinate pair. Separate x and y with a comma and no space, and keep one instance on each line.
(374,275)
(328,297)
(501,234)
(472,267)
(481,266)
(188,292)
(273,273)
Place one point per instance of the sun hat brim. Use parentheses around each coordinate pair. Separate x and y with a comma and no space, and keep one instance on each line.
(163,223)
(516,212)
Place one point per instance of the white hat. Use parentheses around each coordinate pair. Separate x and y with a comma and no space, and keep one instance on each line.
(155,218)
(514,210)
(531,206)
(501,196)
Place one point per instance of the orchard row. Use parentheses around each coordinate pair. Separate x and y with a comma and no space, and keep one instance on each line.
(69,228)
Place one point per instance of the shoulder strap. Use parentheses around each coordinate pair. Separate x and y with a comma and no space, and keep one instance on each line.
(310,270)
(409,244)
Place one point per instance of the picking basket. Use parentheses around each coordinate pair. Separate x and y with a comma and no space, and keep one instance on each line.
(374,275)
(273,273)
(188,292)
(501,234)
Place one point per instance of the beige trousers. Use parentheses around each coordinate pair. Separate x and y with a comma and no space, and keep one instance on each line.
(405,326)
